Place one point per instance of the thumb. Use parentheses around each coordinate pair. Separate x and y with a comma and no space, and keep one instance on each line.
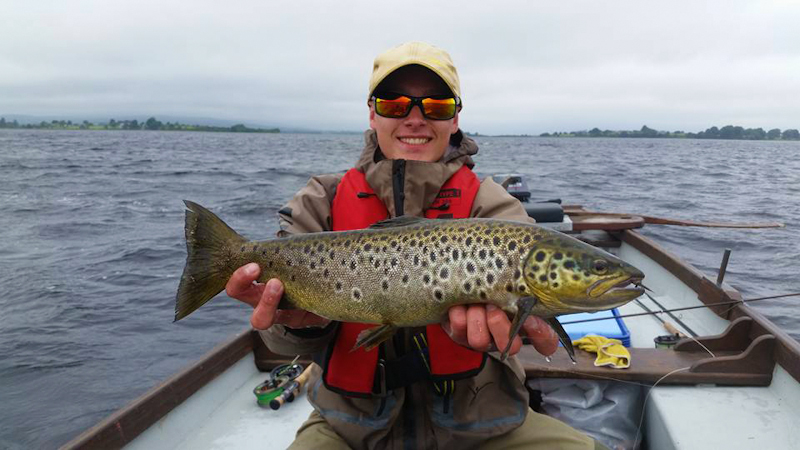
(264,314)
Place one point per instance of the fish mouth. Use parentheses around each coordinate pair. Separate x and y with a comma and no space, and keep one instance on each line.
(617,290)
(606,294)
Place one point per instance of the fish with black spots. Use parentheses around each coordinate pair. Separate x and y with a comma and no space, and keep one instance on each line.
(407,271)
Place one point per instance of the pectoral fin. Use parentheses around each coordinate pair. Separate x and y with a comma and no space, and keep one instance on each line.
(563,337)
(372,337)
(524,307)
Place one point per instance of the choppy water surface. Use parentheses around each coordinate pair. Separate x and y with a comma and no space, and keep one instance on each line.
(91,241)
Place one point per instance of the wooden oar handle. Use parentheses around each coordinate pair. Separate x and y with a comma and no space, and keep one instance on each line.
(577,210)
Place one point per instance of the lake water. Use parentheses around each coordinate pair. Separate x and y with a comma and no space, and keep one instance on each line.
(92,247)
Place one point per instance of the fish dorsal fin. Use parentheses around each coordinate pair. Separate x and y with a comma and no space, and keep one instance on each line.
(401,221)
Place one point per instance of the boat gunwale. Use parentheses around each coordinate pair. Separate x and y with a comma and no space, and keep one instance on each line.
(123,426)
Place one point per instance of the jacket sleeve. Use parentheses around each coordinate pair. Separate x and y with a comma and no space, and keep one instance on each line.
(309,211)
(493,201)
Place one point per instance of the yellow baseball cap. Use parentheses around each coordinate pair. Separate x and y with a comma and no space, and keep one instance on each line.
(426,55)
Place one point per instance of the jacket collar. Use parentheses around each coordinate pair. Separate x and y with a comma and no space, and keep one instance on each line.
(422,180)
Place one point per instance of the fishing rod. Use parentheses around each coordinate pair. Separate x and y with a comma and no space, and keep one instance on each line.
(686,308)
(674,317)
(668,326)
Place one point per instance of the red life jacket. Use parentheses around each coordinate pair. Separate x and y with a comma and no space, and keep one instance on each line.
(353,372)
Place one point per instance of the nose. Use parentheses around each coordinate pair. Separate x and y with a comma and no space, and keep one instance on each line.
(415,116)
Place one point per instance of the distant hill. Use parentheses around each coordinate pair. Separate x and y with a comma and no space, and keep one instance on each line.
(151,124)
(24,119)
(726,132)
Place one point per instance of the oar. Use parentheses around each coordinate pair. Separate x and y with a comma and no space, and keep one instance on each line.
(575,210)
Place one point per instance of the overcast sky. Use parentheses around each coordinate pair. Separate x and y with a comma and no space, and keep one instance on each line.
(525,66)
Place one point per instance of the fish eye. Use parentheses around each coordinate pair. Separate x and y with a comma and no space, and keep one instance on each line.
(599,266)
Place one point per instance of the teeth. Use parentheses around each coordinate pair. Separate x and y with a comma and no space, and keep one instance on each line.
(414,141)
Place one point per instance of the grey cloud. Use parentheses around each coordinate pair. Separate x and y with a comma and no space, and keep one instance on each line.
(526,67)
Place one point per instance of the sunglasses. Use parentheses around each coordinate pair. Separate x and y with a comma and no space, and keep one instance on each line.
(396,106)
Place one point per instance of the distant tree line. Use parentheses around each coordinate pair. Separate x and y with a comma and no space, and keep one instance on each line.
(726,132)
(150,124)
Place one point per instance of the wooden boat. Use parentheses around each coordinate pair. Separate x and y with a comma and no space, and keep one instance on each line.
(747,395)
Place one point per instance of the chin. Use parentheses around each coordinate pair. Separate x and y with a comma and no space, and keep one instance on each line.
(424,153)
(418,156)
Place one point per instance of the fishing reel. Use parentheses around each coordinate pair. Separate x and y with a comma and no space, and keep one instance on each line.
(280,386)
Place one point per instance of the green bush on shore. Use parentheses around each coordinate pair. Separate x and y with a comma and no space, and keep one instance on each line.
(726,132)
(150,124)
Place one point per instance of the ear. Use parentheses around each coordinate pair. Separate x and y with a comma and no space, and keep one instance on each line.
(371,116)
(454,127)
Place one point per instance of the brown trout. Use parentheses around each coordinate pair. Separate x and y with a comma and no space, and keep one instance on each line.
(408,271)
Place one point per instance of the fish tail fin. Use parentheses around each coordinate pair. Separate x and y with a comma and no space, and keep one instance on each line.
(208,243)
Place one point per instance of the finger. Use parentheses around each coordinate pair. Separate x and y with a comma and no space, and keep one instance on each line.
(456,326)
(544,339)
(240,286)
(264,315)
(500,327)
(477,331)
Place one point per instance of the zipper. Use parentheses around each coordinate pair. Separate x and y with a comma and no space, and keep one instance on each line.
(399,185)
(408,409)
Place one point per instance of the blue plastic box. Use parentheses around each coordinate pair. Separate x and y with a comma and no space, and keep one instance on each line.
(612,328)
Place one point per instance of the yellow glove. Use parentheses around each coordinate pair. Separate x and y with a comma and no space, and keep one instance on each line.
(610,352)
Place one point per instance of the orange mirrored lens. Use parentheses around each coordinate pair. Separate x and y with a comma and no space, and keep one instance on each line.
(439,108)
(396,107)
(432,108)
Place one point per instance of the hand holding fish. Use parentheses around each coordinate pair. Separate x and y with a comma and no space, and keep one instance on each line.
(478,326)
(264,299)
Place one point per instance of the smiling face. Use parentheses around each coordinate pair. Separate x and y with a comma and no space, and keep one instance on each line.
(413,137)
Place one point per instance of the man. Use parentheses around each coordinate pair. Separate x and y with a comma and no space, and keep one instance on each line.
(415,162)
